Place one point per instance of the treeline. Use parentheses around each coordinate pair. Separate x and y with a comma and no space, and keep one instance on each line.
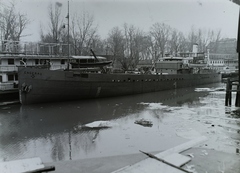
(12,24)
(127,42)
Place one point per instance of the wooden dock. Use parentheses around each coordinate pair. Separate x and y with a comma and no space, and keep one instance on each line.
(229,89)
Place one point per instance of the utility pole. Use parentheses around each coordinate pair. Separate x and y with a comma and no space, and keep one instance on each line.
(237,103)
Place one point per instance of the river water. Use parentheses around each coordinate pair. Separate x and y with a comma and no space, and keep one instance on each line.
(56,132)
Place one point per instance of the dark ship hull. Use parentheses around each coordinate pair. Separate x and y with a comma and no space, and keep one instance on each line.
(43,85)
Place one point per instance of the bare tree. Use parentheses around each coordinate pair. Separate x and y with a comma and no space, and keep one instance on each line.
(115,42)
(84,33)
(215,37)
(192,38)
(160,33)
(136,45)
(203,37)
(176,42)
(12,23)
(56,32)
(55,24)
(115,47)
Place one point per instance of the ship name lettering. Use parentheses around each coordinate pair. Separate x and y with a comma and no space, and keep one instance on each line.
(32,73)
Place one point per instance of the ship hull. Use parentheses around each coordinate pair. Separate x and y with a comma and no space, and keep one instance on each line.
(42,85)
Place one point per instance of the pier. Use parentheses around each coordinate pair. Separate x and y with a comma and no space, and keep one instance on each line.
(230,83)
(234,80)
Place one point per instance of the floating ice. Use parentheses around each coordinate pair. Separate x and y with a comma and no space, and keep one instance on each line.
(100,124)
(187,133)
(144,122)
(190,168)
(220,89)
(190,155)
(154,105)
(202,89)
(204,153)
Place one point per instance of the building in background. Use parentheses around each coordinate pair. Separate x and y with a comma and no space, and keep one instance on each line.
(223,55)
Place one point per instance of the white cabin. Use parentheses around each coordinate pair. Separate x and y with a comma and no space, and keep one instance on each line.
(9,66)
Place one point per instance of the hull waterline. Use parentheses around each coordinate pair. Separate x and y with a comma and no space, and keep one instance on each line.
(42,85)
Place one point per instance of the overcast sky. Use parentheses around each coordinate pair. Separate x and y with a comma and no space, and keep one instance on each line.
(179,14)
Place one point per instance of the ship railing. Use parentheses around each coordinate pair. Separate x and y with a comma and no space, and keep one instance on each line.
(6,86)
(56,67)
(8,68)
(45,66)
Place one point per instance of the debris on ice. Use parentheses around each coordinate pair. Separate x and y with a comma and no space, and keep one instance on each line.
(190,155)
(204,153)
(190,168)
(144,122)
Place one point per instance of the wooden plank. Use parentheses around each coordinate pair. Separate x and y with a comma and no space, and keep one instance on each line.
(163,161)
(149,166)
(152,165)
(182,147)
(177,159)
(23,165)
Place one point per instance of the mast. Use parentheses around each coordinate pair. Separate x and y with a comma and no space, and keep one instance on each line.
(68,39)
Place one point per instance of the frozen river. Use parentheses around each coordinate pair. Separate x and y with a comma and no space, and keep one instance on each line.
(56,132)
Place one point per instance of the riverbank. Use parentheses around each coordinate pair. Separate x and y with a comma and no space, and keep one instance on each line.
(202,161)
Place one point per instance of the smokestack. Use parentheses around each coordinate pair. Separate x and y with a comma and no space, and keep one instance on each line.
(195,48)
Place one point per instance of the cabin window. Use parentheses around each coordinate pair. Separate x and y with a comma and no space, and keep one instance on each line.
(10,61)
(10,77)
(16,76)
(83,61)
(62,61)
(91,60)
(44,61)
(36,61)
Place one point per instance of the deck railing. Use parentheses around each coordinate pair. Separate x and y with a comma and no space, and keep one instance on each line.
(8,68)
(15,68)
(6,86)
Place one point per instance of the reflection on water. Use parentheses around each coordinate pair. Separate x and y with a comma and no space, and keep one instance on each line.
(52,131)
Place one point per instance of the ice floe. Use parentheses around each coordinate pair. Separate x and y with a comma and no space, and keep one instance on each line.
(98,125)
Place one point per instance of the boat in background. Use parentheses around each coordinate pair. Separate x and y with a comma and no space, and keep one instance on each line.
(9,64)
(8,77)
